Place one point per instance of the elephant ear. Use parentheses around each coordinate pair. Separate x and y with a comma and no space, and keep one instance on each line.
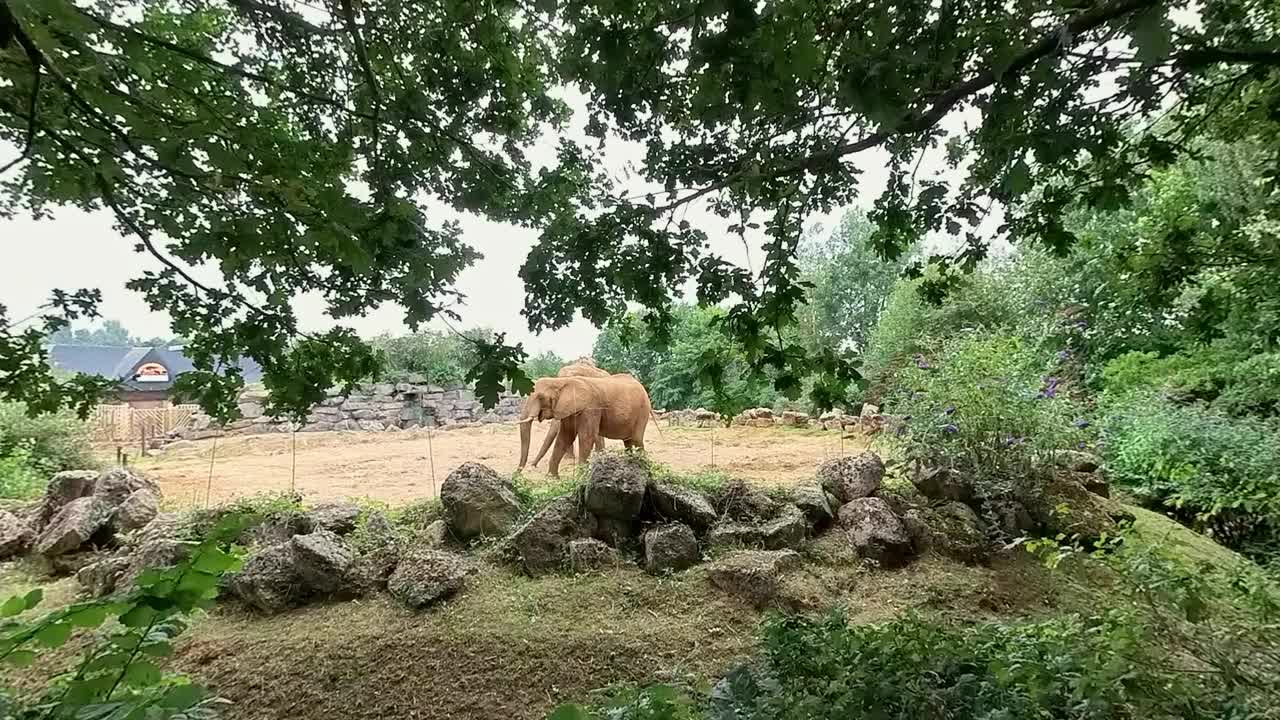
(575,396)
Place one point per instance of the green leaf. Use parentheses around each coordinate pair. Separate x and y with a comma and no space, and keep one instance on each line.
(139,616)
(54,634)
(569,712)
(213,561)
(21,658)
(142,674)
(1018,181)
(1152,35)
(158,649)
(91,616)
(182,696)
(33,598)
(13,606)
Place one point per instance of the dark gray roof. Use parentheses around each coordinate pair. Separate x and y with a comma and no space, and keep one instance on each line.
(121,363)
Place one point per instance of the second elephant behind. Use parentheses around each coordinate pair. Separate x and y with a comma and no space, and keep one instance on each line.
(615,407)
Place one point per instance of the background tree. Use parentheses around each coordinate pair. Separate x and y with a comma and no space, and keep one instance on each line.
(544,364)
(297,153)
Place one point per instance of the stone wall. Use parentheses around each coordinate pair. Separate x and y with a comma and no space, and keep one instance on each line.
(373,407)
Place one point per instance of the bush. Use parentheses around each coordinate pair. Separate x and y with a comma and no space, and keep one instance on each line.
(33,448)
(1218,473)
(984,406)
(1230,380)
(433,357)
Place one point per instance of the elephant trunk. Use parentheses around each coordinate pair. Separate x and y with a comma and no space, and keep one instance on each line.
(528,414)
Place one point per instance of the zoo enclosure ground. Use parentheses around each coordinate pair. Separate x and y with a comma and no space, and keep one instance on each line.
(398,467)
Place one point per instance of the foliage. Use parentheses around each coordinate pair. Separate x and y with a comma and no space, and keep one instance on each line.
(19,478)
(110,333)
(987,406)
(1227,379)
(673,376)
(306,160)
(52,442)
(545,364)
(534,497)
(117,677)
(849,285)
(1215,471)
(428,356)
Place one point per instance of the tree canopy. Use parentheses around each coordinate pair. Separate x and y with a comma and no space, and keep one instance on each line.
(262,149)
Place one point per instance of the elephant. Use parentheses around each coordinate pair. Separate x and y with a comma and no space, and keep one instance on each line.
(614,407)
(582,367)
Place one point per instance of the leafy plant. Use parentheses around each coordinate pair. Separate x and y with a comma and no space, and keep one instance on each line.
(19,478)
(53,441)
(117,677)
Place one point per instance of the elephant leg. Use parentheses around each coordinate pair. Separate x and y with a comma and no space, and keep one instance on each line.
(564,443)
(588,434)
(552,432)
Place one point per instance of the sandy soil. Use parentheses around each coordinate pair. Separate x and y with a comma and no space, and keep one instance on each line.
(398,467)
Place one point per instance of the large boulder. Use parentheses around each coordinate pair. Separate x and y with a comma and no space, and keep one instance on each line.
(589,554)
(735,534)
(753,575)
(153,554)
(875,532)
(670,547)
(1094,481)
(787,530)
(952,530)
(1077,461)
(424,577)
(63,488)
(812,501)
(269,580)
(616,485)
(137,511)
(75,524)
(943,484)
(684,505)
(853,477)
(740,501)
(100,578)
(322,560)
(336,517)
(1063,506)
(477,502)
(16,535)
(117,484)
(542,543)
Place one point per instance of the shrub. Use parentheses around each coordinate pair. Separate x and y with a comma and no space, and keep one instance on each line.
(19,478)
(984,406)
(1218,473)
(1230,380)
(56,441)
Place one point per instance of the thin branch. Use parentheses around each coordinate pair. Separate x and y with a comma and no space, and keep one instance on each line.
(285,17)
(362,56)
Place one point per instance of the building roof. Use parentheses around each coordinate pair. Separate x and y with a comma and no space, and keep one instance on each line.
(122,364)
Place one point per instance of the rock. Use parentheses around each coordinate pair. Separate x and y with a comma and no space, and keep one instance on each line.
(791,418)
(117,484)
(75,524)
(684,505)
(740,501)
(478,502)
(165,526)
(943,484)
(435,535)
(99,578)
(424,577)
(590,554)
(278,528)
(850,478)
(153,554)
(321,560)
(753,575)
(1010,517)
(543,542)
(369,570)
(788,530)
(875,532)
(336,517)
(952,530)
(269,580)
(16,535)
(63,488)
(670,547)
(1065,506)
(617,532)
(1077,461)
(137,511)
(371,425)
(1094,482)
(735,534)
(616,485)
(812,501)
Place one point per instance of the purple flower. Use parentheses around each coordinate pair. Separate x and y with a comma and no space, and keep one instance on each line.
(1063,356)
(1081,423)
(921,362)
(1050,388)
(1080,445)
(950,428)
(950,409)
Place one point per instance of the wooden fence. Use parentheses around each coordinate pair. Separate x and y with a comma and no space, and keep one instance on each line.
(121,423)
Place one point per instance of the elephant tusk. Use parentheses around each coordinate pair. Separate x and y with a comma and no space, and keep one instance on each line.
(526,420)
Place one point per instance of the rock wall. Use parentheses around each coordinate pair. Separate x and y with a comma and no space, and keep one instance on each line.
(373,407)
(869,422)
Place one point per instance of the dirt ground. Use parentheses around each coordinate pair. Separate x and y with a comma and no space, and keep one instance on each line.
(405,466)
